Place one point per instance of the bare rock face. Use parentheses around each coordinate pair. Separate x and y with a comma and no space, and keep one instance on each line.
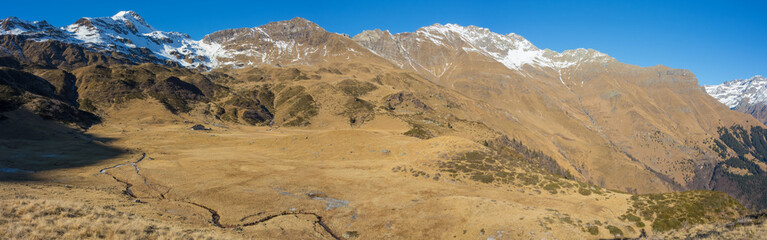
(758,110)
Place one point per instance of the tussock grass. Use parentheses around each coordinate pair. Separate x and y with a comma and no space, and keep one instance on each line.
(50,219)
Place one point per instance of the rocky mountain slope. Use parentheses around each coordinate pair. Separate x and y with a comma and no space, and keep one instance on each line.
(744,95)
(447,108)
(293,42)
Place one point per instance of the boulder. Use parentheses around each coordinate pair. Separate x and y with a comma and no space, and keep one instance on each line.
(199,127)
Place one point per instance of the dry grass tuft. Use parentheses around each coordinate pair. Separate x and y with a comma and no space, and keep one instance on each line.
(50,219)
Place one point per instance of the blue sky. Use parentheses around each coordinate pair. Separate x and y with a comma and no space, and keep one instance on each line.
(716,40)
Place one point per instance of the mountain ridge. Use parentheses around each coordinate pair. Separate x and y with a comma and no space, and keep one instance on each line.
(126,31)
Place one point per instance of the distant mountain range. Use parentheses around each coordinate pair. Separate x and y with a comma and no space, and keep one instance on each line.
(130,35)
(744,95)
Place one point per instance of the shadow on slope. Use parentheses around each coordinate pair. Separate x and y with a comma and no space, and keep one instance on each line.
(32,145)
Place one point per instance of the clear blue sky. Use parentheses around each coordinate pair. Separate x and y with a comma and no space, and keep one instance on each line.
(717,40)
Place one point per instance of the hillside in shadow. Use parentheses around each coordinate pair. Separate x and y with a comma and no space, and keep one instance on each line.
(31,145)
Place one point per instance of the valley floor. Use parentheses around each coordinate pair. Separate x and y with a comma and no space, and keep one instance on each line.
(168,181)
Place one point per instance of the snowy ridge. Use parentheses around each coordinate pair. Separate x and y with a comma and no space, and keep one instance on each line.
(741,91)
(512,50)
(125,32)
(15,26)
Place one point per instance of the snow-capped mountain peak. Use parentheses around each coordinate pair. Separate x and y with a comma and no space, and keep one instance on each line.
(131,18)
(128,32)
(740,91)
(512,50)
(101,29)
(125,33)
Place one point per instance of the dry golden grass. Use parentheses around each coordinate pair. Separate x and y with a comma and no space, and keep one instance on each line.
(52,219)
